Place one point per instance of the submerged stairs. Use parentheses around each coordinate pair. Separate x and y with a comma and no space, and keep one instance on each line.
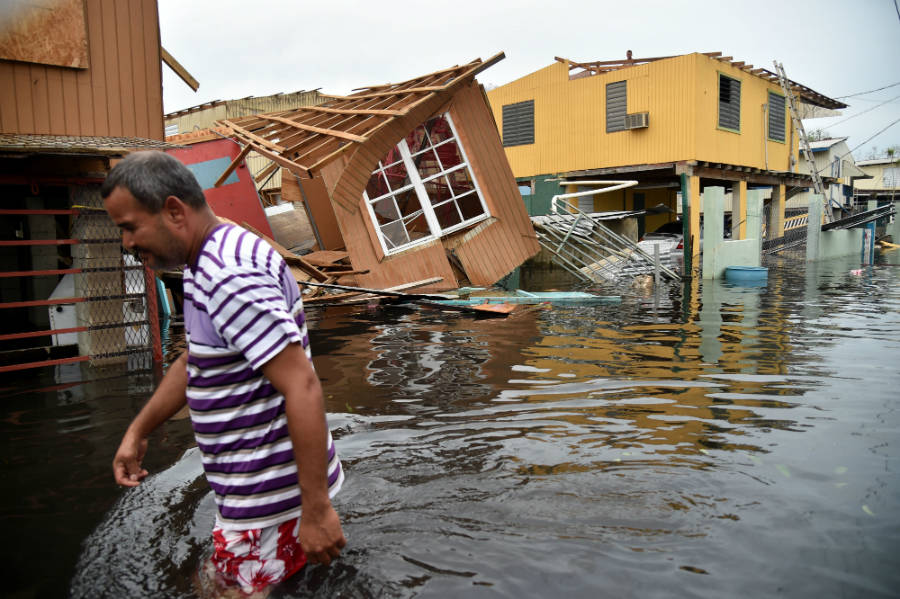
(581,244)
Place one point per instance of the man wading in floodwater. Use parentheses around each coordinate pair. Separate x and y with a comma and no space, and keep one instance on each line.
(255,401)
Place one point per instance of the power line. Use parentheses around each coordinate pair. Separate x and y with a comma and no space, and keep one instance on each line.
(877,134)
(863,112)
(871,90)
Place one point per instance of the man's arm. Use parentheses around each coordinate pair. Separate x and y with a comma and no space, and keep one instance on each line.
(292,374)
(165,402)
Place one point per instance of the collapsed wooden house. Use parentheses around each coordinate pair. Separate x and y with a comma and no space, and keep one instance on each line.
(409,178)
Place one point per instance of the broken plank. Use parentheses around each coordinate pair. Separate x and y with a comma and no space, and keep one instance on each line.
(234,164)
(326,257)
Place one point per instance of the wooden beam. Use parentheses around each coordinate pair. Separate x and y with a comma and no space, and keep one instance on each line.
(179,70)
(234,164)
(352,111)
(251,136)
(319,130)
(276,158)
(409,90)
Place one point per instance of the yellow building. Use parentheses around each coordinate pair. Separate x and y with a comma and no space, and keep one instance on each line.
(707,117)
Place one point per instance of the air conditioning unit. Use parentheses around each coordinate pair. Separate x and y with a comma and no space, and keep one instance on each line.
(638,120)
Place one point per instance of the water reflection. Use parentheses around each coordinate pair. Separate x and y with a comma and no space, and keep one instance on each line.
(722,440)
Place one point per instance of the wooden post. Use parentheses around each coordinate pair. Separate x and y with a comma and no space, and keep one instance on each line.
(694,196)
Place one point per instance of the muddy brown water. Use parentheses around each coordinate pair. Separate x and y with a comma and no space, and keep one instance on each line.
(714,441)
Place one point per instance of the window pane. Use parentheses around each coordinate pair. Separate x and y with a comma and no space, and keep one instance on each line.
(447,214)
(470,206)
(396,175)
(417,227)
(439,130)
(377,186)
(417,139)
(385,210)
(408,202)
(394,234)
(427,164)
(449,155)
(438,190)
(461,182)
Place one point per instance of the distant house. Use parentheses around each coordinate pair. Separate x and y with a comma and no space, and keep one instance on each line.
(204,116)
(410,178)
(840,173)
(715,120)
(883,182)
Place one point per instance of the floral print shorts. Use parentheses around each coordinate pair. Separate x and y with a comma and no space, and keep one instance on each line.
(256,558)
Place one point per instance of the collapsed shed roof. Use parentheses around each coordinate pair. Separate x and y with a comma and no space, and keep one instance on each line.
(808,95)
(307,138)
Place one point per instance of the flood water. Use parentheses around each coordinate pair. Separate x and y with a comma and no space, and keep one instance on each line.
(718,441)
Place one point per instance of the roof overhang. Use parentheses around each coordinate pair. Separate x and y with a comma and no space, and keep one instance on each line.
(18,143)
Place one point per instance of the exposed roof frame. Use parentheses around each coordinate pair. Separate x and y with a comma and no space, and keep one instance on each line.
(305,139)
(806,94)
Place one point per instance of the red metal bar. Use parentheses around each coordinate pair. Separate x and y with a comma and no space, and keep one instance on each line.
(28,365)
(10,336)
(16,211)
(153,314)
(39,273)
(46,302)
(23,242)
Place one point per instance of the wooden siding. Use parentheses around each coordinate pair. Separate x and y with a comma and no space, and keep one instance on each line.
(501,246)
(681,96)
(119,95)
(488,251)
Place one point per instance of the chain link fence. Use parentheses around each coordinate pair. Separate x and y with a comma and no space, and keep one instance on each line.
(118,307)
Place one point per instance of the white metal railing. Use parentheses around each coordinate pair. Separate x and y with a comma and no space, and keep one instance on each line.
(586,247)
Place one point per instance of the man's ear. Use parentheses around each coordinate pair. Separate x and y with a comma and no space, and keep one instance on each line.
(174,210)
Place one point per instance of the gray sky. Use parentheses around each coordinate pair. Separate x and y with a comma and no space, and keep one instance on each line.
(242,48)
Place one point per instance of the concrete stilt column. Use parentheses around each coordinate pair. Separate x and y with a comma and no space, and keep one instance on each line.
(814,227)
(775,222)
(739,210)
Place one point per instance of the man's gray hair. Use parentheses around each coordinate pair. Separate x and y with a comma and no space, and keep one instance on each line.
(151,177)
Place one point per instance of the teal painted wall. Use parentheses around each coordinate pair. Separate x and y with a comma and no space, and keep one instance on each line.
(718,254)
(545,187)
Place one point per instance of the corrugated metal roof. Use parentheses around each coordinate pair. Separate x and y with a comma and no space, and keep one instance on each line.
(105,146)
(824,144)
(878,161)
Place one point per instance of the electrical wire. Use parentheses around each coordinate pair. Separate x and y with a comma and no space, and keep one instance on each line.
(863,112)
(868,92)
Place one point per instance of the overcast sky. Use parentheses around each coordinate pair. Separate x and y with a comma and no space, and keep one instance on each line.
(239,48)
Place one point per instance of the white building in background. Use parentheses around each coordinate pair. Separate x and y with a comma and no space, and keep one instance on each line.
(836,166)
(883,180)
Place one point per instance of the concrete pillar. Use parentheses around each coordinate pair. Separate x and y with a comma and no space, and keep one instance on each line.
(814,227)
(775,222)
(739,210)
(694,228)
(713,228)
(755,202)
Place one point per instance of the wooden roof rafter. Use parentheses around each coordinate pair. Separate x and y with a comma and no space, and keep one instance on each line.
(306,138)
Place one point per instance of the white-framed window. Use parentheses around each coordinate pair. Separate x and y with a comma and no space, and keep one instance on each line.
(423,188)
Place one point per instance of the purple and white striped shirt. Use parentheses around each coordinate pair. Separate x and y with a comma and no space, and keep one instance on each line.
(242,306)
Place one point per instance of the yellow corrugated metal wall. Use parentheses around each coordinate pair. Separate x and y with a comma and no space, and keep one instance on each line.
(570,117)
(681,96)
(750,146)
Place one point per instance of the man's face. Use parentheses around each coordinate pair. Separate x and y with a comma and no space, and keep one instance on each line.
(146,233)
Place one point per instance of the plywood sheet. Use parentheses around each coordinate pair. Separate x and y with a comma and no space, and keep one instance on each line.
(44,32)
